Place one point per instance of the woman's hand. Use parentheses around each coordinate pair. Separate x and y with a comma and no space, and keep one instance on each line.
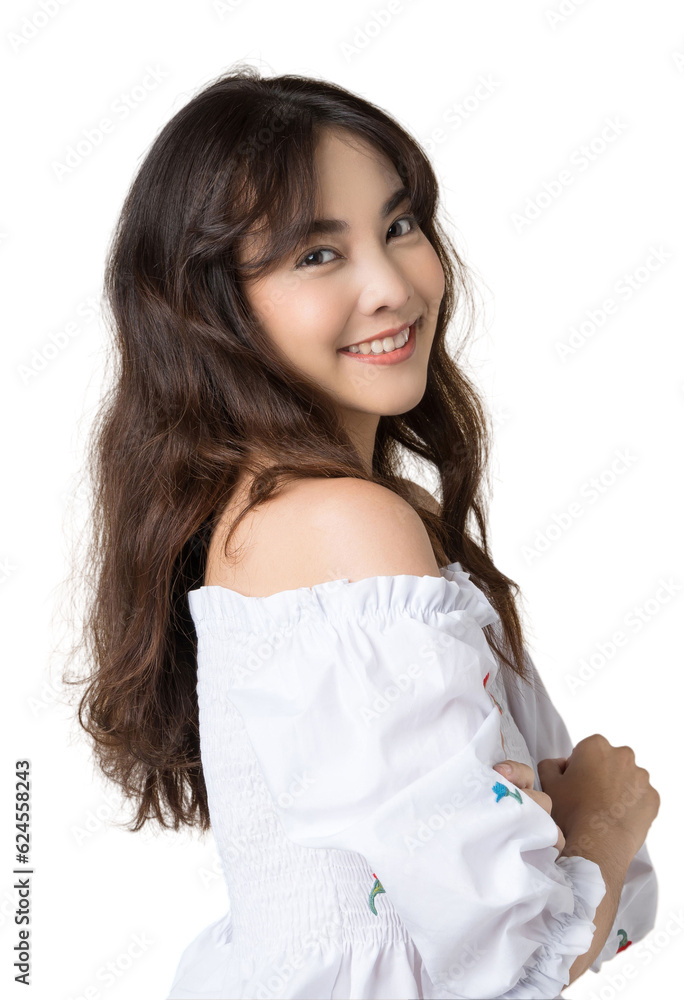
(600,795)
(522,776)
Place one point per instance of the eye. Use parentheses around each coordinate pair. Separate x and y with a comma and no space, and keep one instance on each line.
(405,218)
(312,253)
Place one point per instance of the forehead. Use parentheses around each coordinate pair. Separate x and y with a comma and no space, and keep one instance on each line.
(343,159)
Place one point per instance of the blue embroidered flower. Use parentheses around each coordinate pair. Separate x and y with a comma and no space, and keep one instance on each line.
(501,791)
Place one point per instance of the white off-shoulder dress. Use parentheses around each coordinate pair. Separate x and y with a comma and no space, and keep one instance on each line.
(348,733)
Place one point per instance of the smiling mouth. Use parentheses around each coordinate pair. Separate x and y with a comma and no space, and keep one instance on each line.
(386,342)
(387,351)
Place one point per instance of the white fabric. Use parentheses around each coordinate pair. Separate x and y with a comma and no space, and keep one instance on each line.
(347,736)
(546,735)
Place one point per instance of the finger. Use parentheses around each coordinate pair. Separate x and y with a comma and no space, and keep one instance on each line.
(520,775)
(541,798)
(550,767)
(544,800)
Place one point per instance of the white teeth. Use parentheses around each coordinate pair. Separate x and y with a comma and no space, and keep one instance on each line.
(383,346)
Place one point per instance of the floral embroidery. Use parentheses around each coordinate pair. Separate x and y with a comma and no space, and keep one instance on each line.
(377,887)
(484,684)
(502,791)
(624,943)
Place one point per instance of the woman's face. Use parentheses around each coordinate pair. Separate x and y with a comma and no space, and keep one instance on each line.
(376,273)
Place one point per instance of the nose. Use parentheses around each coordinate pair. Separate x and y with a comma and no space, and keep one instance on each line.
(384,283)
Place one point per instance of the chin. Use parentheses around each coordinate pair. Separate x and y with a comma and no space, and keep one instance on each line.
(399,403)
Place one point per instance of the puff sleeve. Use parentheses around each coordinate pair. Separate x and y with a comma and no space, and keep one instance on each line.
(546,735)
(367,708)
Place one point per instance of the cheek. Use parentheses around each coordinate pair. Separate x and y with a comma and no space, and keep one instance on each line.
(299,317)
(428,275)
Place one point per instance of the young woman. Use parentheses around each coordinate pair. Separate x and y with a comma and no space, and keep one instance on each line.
(291,641)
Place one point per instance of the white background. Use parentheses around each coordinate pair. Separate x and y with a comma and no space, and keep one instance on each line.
(558,73)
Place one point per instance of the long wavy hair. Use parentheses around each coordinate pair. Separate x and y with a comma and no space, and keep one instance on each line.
(198,391)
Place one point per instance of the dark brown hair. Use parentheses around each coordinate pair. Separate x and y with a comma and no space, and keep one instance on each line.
(198,391)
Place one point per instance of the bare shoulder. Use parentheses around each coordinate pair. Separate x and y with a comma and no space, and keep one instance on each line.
(316,530)
(330,529)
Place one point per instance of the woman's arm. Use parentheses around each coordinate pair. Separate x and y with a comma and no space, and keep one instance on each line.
(613,858)
(613,861)
(547,736)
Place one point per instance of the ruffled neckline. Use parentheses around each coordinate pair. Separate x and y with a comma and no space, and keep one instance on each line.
(451,591)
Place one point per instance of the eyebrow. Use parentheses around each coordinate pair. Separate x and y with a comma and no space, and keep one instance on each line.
(336,226)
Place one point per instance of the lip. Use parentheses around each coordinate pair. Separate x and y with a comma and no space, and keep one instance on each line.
(394,358)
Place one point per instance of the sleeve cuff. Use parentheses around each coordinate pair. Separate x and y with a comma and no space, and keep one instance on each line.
(568,937)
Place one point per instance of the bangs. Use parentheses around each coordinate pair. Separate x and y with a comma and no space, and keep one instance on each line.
(278,203)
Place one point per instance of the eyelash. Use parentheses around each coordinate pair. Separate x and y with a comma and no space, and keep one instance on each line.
(310,253)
